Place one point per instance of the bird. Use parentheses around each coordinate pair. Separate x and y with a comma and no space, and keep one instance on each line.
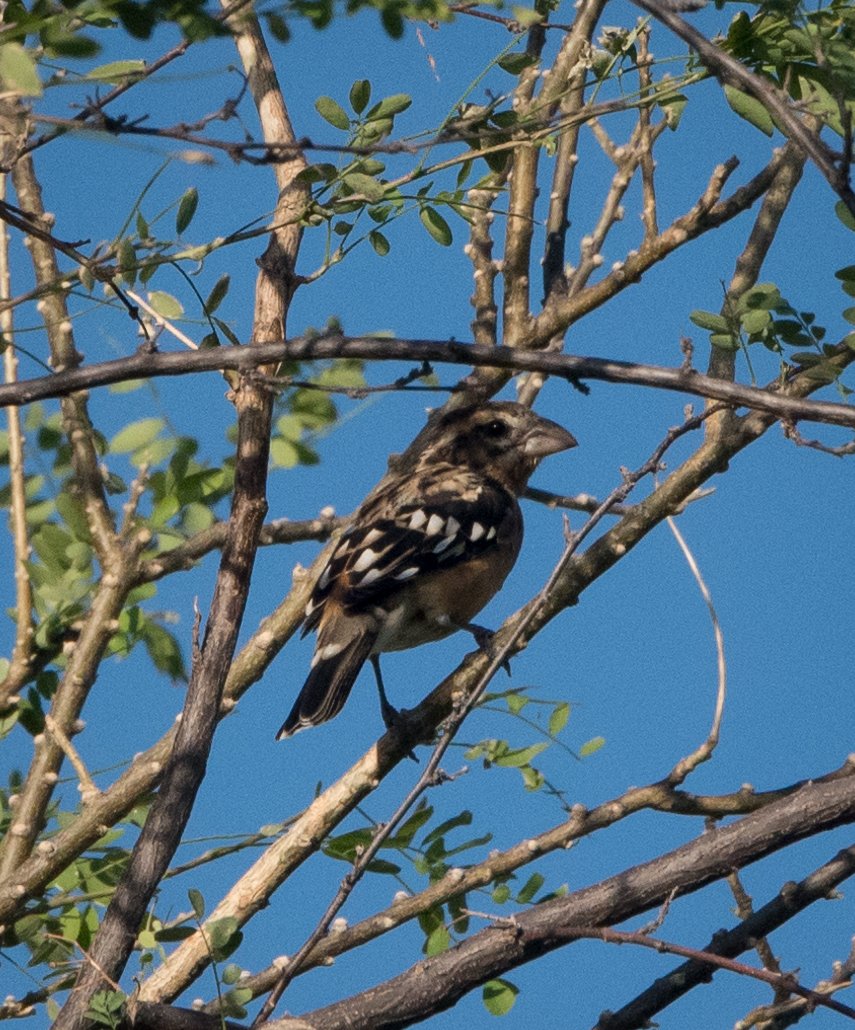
(426,550)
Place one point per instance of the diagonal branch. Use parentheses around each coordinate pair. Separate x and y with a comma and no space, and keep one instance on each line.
(436,984)
(732,72)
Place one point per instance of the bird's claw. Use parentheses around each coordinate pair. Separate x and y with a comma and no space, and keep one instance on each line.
(484,638)
(393,720)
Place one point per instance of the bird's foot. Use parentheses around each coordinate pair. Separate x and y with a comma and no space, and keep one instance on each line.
(484,638)
(394,720)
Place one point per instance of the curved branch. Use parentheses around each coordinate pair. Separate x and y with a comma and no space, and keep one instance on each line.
(564,366)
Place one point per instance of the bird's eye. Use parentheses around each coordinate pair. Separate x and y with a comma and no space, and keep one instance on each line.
(496,429)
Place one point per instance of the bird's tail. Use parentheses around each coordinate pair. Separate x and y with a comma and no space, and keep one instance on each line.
(335,666)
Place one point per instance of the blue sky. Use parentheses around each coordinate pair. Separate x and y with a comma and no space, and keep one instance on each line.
(635,657)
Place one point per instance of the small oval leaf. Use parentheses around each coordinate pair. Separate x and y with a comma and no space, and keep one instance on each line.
(499,996)
(332,112)
(186,209)
(436,225)
(165,304)
(749,109)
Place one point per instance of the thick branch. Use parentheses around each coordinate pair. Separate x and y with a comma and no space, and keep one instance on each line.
(186,766)
(436,984)
(791,899)
(563,366)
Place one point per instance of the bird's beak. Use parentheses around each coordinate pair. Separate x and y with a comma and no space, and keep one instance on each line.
(547,437)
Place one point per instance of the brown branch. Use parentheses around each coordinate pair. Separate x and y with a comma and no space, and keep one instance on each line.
(115,560)
(186,555)
(185,768)
(20,665)
(786,983)
(722,363)
(731,72)
(792,899)
(436,984)
(564,366)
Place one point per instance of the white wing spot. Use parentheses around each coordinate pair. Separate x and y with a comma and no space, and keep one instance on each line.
(434,526)
(451,526)
(372,537)
(446,541)
(365,560)
(407,573)
(326,652)
(324,581)
(455,551)
(491,532)
(476,532)
(370,576)
(417,519)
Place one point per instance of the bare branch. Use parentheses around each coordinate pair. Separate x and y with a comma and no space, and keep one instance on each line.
(564,366)
(792,899)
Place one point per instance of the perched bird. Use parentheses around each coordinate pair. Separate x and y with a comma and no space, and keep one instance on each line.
(426,551)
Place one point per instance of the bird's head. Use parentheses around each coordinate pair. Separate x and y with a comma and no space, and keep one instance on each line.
(503,438)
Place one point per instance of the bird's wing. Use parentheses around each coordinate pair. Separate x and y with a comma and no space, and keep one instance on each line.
(382,550)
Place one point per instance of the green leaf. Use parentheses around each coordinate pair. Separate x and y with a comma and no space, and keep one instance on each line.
(165,304)
(516,63)
(849,315)
(332,112)
(379,242)
(749,109)
(360,94)
(389,107)
(436,225)
(673,107)
(516,703)
(366,185)
(117,71)
(223,937)
(278,27)
(532,886)
(708,320)
(392,21)
(186,209)
(724,341)
(136,435)
(463,818)
(755,321)
(845,215)
(558,719)
(520,756)
(18,72)
(501,894)
(197,902)
(215,297)
(590,746)
(127,256)
(526,16)
(231,973)
(437,942)
(499,997)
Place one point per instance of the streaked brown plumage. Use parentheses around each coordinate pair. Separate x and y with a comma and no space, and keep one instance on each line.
(426,550)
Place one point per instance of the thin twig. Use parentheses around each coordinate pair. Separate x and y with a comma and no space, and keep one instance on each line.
(22,650)
(86,787)
(704,752)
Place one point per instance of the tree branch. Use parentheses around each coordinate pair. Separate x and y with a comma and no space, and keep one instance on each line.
(563,366)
